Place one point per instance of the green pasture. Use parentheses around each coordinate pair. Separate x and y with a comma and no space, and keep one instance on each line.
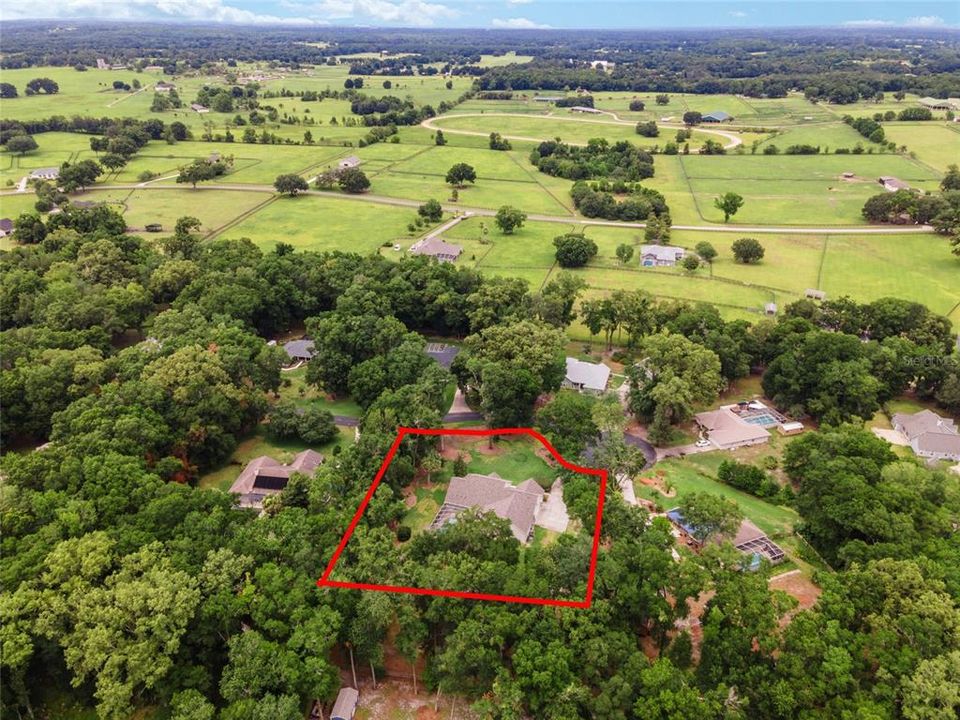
(318,223)
(797,189)
(826,136)
(570,128)
(935,144)
(505,59)
(867,108)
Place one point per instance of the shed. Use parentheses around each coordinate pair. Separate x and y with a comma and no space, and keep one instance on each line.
(346,704)
(892,184)
(197,107)
(770,308)
(351,161)
(790,428)
(814,294)
(584,109)
(717,116)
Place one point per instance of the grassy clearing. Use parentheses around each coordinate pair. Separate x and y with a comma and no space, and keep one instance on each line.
(826,136)
(325,223)
(505,59)
(934,144)
(687,476)
(294,388)
(261,444)
(797,189)
(513,459)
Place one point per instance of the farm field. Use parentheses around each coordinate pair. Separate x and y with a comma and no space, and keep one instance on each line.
(797,189)
(934,144)
(325,223)
(827,136)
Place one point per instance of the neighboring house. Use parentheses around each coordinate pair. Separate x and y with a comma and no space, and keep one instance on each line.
(718,116)
(930,435)
(264,476)
(45,173)
(938,104)
(584,109)
(442,353)
(346,163)
(346,705)
(585,376)
(164,87)
(660,255)
(299,350)
(892,184)
(6,227)
(749,539)
(727,430)
(436,248)
(770,308)
(813,294)
(604,65)
(490,493)
(198,108)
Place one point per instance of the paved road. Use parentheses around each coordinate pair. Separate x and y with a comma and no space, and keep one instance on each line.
(430,124)
(562,219)
(648,450)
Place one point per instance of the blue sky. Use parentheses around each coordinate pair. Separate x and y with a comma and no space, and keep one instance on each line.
(505,13)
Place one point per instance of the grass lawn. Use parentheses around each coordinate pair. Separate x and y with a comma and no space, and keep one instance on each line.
(826,136)
(260,444)
(422,513)
(571,128)
(325,223)
(797,189)
(933,143)
(514,459)
(303,395)
(688,475)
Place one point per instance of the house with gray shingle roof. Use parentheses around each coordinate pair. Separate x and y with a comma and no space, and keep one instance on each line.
(660,255)
(930,435)
(299,350)
(490,493)
(264,476)
(717,116)
(436,248)
(585,376)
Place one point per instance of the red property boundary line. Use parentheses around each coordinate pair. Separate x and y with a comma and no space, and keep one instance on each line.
(325,580)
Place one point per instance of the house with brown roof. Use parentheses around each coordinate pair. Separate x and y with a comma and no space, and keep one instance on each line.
(749,539)
(264,476)
(436,248)
(930,435)
(726,429)
(490,493)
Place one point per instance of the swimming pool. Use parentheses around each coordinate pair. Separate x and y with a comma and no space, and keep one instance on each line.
(762,418)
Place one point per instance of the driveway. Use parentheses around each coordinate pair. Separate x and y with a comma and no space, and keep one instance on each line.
(626,488)
(552,514)
(648,450)
(894,437)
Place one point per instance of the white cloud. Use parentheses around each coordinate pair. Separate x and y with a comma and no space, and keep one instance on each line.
(205,10)
(519,2)
(397,12)
(400,12)
(921,21)
(738,14)
(517,24)
(925,21)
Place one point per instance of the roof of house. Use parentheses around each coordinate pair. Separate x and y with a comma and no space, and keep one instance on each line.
(939,103)
(747,532)
(725,428)
(435,247)
(346,704)
(770,307)
(593,376)
(813,293)
(942,443)
(668,253)
(516,503)
(297,349)
(198,107)
(6,224)
(888,181)
(264,476)
(349,161)
(926,421)
(718,115)
(45,172)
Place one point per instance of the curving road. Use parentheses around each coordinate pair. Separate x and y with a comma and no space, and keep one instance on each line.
(429,123)
(563,219)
